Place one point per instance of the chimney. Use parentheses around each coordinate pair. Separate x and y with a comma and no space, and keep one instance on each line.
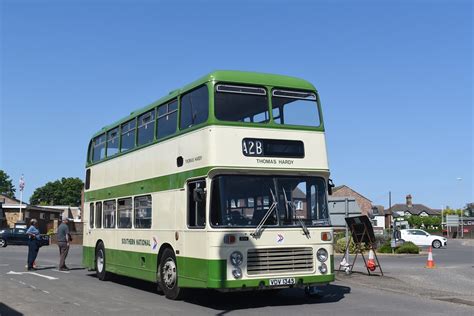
(409,202)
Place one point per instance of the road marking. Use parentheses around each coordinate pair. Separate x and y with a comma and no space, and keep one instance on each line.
(4,264)
(60,271)
(33,273)
(45,291)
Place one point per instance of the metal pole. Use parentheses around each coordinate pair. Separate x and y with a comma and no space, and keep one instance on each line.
(347,230)
(21,199)
(390,208)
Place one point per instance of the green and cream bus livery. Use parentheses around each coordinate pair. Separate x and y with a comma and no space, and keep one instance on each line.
(222,185)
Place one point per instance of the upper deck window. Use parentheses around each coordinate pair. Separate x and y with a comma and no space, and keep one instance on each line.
(112,142)
(128,136)
(295,108)
(167,119)
(241,104)
(146,125)
(98,148)
(194,107)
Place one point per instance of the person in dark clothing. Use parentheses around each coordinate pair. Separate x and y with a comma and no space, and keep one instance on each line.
(33,243)
(63,243)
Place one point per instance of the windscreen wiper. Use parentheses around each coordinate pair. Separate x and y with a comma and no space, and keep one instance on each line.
(258,230)
(303,226)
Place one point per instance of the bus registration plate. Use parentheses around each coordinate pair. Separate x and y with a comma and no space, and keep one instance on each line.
(282,281)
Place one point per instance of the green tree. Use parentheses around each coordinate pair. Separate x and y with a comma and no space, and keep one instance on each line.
(6,186)
(436,221)
(415,221)
(429,221)
(66,191)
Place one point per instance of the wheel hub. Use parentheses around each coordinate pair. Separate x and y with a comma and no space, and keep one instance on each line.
(169,273)
(100,261)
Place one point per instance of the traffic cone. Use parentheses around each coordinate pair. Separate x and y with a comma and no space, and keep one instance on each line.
(430,264)
(371,262)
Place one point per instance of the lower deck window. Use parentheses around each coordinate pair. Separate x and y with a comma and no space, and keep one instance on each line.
(143,208)
(124,213)
(91,215)
(98,215)
(109,214)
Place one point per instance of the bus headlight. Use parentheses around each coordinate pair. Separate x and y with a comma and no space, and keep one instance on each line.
(237,272)
(323,268)
(236,258)
(322,255)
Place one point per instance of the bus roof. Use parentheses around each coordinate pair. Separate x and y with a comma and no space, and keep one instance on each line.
(245,77)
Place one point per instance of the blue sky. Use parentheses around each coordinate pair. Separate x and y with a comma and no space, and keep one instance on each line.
(395,79)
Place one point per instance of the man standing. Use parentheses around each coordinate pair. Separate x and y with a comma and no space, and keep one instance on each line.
(63,243)
(33,243)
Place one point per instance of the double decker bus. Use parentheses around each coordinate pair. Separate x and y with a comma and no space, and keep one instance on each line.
(221,184)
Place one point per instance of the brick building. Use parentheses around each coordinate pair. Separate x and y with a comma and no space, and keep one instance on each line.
(364,203)
(47,217)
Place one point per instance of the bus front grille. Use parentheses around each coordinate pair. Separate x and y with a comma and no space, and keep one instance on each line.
(277,260)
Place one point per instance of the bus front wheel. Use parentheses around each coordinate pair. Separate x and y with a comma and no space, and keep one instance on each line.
(168,271)
(100,263)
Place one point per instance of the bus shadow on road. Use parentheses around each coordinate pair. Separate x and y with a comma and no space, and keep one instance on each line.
(226,302)
(6,310)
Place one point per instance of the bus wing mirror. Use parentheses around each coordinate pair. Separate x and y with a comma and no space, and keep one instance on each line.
(330,186)
(199,195)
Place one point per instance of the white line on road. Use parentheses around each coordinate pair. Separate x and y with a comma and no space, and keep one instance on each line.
(4,264)
(34,273)
(45,291)
(60,271)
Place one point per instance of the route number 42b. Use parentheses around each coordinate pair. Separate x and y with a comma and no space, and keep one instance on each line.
(252,147)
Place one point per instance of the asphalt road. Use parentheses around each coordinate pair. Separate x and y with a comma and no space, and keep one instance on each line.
(77,292)
(453,276)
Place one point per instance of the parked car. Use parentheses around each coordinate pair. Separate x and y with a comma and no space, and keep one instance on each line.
(421,238)
(18,236)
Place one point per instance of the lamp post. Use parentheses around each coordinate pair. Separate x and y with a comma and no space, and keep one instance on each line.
(459,179)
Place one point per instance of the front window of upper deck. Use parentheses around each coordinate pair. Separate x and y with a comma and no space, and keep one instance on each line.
(250,104)
(295,108)
(243,201)
(241,104)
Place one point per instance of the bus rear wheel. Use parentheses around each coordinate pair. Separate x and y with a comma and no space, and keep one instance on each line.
(168,272)
(100,263)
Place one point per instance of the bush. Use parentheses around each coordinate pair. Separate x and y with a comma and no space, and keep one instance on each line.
(408,247)
(385,248)
(339,235)
(381,240)
(340,246)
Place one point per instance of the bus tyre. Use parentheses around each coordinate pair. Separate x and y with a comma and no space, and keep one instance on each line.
(168,271)
(100,263)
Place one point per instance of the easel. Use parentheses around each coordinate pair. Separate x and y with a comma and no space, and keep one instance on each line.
(360,227)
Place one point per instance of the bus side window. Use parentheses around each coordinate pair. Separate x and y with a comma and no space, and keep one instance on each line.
(109,214)
(98,215)
(98,148)
(194,107)
(143,208)
(125,213)
(197,204)
(146,125)
(91,215)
